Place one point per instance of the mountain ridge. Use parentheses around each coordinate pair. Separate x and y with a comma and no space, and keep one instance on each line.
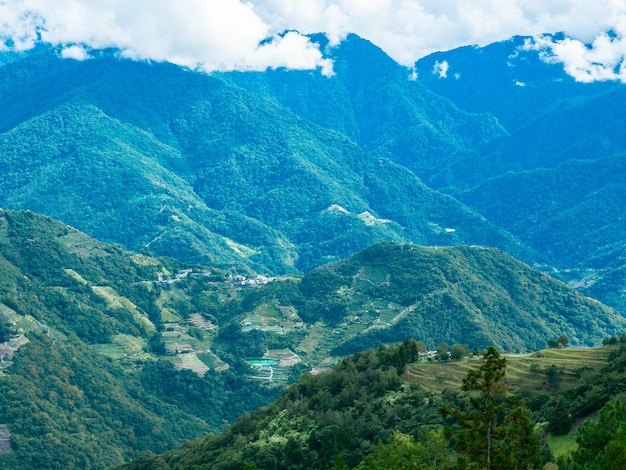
(217,174)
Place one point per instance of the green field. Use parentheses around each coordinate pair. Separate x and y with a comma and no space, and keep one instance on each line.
(525,374)
(562,445)
(114,351)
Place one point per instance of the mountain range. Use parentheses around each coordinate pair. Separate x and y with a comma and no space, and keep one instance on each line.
(167,234)
(285,170)
(182,164)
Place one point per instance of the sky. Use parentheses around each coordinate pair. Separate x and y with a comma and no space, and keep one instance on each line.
(227,35)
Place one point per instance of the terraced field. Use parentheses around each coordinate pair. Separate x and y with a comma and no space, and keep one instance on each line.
(189,361)
(525,374)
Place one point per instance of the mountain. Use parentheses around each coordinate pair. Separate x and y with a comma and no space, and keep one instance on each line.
(187,165)
(376,103)
(469,295)
(508,79)
(573,213)
(560,189)
(525,147)
(105,354)
(80,323)
(283,171)
(549,117)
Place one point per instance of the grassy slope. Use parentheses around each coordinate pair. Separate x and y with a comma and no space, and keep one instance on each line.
(357,405)
(438,376)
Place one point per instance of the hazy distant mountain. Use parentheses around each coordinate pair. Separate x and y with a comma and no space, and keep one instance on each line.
(507,79)
(573,213)
(563,191)
(285,170)
(375,101)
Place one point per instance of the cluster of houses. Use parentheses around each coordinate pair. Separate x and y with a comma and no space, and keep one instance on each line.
(257,281)
(237,279)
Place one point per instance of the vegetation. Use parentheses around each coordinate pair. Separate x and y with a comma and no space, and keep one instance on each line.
(601,441)
(496,433)
(63,298)
(86,316)
(365,415)
(107,355)
(190,166)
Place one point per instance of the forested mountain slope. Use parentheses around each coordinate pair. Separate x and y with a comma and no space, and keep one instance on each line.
(371,412)
(377,103)
(184,164)
(544,120)
(563,191)
(574,212)
(283,171)
(106,354)
(68,305)
(386,293)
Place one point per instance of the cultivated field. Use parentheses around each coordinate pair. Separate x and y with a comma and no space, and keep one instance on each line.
(525,374)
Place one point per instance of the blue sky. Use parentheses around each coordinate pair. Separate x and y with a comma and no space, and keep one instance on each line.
(232,34)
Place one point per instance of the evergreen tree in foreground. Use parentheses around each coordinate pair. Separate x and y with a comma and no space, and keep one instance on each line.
(601,442)
(496,432)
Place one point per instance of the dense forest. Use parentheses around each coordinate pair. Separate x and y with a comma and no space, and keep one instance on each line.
(67,405)
(368,413)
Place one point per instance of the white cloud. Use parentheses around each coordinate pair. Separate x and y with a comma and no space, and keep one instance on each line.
(75,52)
(441,69)
(602,60)
(410,29)
(245,34)
(209,35)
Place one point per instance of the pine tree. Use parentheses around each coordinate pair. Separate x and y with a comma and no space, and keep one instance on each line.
(496,433)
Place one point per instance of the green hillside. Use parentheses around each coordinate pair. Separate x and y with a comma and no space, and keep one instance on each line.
(68,305)
(574,214)
(373,100)
(106,354)
(187,165)
(466,295)
(567,205)
(368,409)
(527,374)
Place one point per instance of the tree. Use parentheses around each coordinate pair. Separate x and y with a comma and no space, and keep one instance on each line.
(496,433)
(554,376)
(563,340)
(557,414)
(602,442)
(156,344)
(553,344)
(5,331)
(402,452)
(442,351)
(458,351)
